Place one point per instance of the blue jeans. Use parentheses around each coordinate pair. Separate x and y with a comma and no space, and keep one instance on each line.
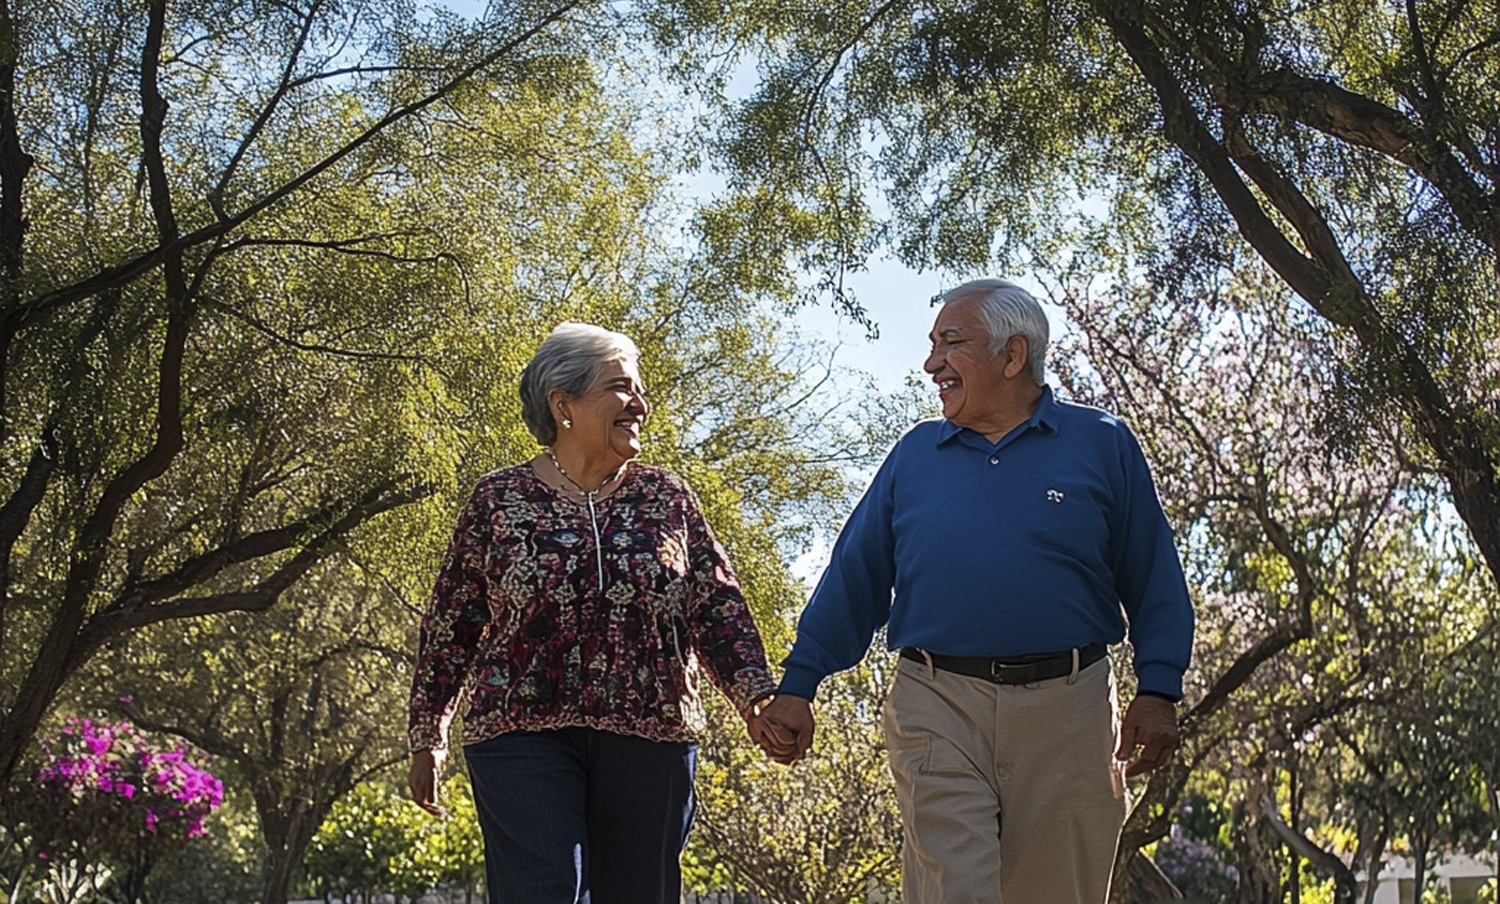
(581,816)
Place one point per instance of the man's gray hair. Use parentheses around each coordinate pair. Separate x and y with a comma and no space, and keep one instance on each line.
(569,360)
(1008,310)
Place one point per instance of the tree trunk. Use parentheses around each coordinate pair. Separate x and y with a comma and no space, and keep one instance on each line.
(1255,857)
(287,835)
(1419,847)
(1144,883)
(1371,849)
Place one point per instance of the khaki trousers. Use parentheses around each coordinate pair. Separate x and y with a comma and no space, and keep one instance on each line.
(1008,793)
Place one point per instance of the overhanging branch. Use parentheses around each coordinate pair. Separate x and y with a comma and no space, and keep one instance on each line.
(116,620)
(30,312)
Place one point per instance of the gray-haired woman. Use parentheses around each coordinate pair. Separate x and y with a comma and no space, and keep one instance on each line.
(580,593)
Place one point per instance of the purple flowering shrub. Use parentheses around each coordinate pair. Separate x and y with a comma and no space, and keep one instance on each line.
(106,802)
(111,772)
(1198,869)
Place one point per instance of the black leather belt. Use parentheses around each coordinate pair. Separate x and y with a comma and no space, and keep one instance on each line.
(1012,669)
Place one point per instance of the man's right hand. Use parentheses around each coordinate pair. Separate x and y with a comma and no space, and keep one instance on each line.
(426,772)
(786,728)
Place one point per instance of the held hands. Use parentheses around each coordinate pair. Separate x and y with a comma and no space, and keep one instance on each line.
(783,727)
(426,770)
(1148,734)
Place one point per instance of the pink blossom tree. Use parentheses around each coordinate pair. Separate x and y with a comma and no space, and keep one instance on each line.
(105,806)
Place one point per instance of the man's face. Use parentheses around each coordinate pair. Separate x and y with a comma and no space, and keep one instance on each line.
(968,377)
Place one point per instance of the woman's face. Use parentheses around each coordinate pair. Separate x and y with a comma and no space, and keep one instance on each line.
(607,418)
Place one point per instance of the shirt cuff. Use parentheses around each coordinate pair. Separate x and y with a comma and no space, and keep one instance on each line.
(423,738)
(1159,681)
(1157,694)
(800,682)
(751,685)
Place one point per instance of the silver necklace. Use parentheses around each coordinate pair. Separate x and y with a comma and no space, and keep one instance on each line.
(552,456)
(588,496)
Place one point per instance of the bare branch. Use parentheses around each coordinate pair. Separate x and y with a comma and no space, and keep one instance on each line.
(216,194)
(318,348)
(114,621)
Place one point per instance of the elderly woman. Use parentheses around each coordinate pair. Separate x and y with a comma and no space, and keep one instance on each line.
(580,595)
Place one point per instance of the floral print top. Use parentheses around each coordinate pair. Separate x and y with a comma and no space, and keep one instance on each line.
(525,627)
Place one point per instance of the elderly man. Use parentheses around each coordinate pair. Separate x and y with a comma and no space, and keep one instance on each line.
(1004,546)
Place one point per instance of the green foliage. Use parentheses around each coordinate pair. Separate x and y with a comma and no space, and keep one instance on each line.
(230,357)
(225,866)
(1346,145)
(824,831)
(376,841)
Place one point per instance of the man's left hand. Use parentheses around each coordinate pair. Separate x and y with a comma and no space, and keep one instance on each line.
(1148,734)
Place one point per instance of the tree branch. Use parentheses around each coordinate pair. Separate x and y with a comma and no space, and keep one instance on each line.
(1454,432)
(116,620)
(1344,886)
(1309,223)
(153,121)
(16,513)
(1362,122)
(315,347)
(205,567)
(15,163)
(28,313)
(1186,130)
(216,194)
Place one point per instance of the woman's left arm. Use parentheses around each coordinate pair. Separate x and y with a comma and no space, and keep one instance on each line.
(720,627)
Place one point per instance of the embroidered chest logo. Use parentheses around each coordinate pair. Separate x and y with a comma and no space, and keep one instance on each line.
(1054,496)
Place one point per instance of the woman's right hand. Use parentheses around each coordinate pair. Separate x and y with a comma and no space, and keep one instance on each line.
(426,771)
(783,727)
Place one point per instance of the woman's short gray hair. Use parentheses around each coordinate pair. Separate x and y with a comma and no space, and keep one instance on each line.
(569,360)
(1008,310)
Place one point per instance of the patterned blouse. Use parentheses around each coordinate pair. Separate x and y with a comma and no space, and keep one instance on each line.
(537,625)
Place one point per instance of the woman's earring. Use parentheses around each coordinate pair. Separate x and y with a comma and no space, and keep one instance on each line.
(568,423)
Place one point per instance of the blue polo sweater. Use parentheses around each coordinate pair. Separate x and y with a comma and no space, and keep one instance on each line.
(1050,539)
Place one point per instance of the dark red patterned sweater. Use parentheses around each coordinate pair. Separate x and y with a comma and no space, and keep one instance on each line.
(523,626)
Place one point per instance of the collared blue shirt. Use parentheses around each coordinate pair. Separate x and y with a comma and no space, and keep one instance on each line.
(1052,538)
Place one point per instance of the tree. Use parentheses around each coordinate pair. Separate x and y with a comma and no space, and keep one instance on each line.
(149,255)
(374,841)
(538,186)
(1329,595)
(1349,145)
(301,697)
(824,831)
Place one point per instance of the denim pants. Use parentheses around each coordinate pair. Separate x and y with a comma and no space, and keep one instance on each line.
(582,816)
